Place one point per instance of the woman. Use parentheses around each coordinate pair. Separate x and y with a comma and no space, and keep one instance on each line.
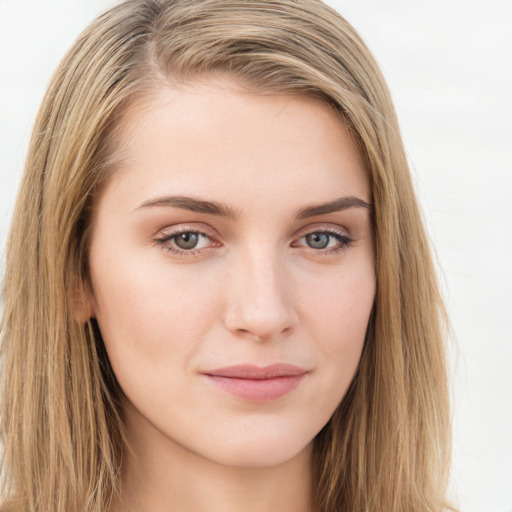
(219,294)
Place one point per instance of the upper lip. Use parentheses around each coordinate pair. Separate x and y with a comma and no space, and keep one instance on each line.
(253,372)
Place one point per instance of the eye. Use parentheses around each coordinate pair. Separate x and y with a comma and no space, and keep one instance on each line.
(185,242)
(325,241)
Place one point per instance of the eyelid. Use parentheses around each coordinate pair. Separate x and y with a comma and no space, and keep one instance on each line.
(322,228)
(183,227)
(163,238)
(340,234)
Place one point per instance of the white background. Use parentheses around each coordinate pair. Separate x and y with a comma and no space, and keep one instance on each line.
(449,67)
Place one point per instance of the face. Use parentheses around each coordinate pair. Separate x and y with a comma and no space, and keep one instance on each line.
(232,271)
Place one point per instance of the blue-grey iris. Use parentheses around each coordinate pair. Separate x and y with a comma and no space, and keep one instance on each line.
(318,240)
(186,240)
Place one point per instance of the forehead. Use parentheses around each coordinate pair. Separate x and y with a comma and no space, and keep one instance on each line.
(227,141)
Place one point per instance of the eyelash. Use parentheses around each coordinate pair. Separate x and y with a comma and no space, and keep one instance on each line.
(344,242)
(164,242)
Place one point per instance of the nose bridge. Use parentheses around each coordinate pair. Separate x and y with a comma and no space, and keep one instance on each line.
(260,302)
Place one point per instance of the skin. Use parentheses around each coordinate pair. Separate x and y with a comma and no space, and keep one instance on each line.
(252,291)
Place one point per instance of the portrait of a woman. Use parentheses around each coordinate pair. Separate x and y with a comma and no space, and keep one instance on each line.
(219,294)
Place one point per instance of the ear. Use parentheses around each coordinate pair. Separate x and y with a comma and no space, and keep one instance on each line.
(81,302)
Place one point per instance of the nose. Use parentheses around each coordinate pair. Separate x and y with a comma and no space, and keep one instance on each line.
(260,302)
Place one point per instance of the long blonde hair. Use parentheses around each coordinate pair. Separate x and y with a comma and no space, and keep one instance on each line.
(387,447)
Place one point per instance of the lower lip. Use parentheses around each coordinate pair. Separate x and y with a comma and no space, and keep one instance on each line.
(254,390)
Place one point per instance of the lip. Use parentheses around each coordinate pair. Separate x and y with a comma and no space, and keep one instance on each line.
(256,383)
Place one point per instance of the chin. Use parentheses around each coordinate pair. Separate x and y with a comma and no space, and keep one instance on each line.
(259,458)
(262,449)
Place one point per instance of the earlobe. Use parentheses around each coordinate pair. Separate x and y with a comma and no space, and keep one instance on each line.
(81,302)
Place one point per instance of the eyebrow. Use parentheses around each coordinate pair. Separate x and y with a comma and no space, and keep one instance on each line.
(214,208)
(191,204)
(340,204)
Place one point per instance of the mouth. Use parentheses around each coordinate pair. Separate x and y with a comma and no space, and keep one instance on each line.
(257,384)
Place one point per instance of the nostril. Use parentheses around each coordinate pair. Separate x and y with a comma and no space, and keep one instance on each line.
(263,334)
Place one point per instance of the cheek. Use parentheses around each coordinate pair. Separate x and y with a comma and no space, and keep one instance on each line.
(147,312)
(338,320)
(335,320)
(341,310)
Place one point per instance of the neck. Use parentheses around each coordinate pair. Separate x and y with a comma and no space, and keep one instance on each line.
(159,475)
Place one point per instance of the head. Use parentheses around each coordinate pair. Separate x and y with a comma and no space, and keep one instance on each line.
(385,446)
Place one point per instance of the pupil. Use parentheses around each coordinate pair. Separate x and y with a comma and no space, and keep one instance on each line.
(187,240)
(317,240)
